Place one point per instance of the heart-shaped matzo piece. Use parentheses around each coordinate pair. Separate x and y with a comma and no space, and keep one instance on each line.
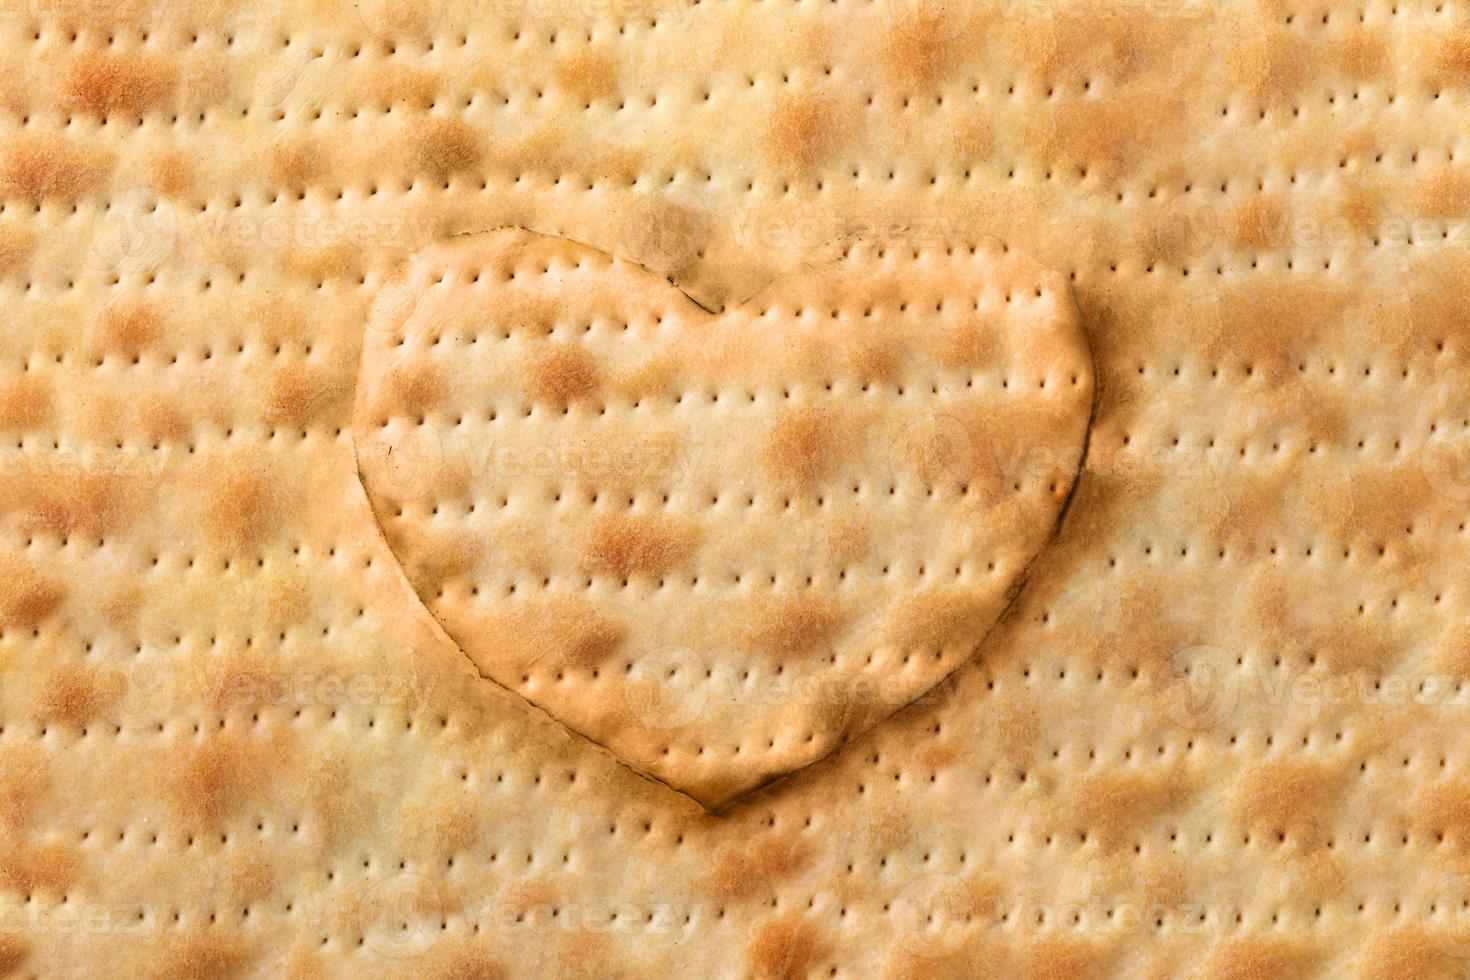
(719,545)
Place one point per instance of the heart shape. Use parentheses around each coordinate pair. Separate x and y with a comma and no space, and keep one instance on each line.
(719,545)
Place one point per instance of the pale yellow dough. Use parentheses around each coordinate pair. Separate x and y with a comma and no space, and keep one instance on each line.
(1217,733)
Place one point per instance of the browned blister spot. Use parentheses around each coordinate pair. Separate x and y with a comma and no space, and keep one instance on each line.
(844,538)
(395,83)
(450,827)
(302,396)
(1288,609)
(782,947)
(1444,192)
(1286,795)
(1098,133)
(589,74)
(1360,205)
(123,604)
(796,624)
(1412,951)
(104,82)
(799,448)
(295,160)
(48,867)
(1360,52)
(25,773)
(1453,650)
(245,681)
(13,953)
(196,955)
(741,872)
(446,148)
(888,827)
(171,173)
(874,358)
(557,630)
(1114,805)
(919,46)
(1248,331)
(559,373)
(162,419)
(1452,56)
(127,328)
(1015,725)
(25,403)
(249,874)
(957,445)
(240,508)
(27,598)
(1371,506)
(439,556)
(802,132)
(75,695)
(88,503)
(936,618)
(42,167)
(211,778)
(1270,62)
(1255,958)
(17,242)
(466,960)
(1444,808)
(974,340)
(622,545)
(1064,958)
(1258,222)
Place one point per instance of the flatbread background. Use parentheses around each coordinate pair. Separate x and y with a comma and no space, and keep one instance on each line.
(1219,735)
(719,545)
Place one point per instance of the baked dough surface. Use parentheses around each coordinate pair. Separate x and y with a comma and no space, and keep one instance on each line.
(1217,733)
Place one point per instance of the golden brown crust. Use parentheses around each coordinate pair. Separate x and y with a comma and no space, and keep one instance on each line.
(1219,734)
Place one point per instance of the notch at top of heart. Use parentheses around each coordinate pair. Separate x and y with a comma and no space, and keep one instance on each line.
(719,544)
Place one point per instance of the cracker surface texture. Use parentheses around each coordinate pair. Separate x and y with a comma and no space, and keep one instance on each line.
(719,545)
(1218,732)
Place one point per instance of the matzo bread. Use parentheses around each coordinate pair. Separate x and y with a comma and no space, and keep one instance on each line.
(1219,733)
(719,546)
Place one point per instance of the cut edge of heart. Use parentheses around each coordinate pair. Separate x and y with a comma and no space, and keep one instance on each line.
(725,801)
